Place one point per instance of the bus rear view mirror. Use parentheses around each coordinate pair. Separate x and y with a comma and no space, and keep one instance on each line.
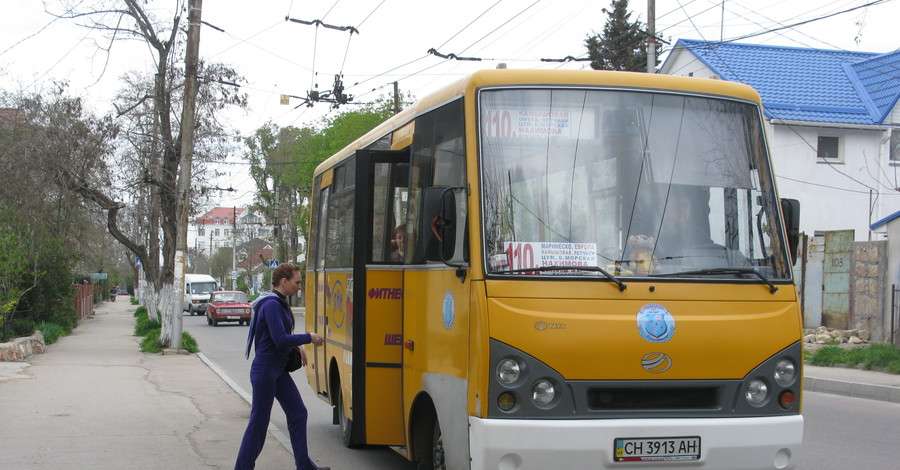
(790,209)
(439,223)
(444,227)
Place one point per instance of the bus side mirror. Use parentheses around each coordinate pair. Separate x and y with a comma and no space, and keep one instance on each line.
(790,209)
(444,227)
(438,223)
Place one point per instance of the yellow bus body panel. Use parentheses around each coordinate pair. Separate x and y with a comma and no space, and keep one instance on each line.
(584,333)
(384,354)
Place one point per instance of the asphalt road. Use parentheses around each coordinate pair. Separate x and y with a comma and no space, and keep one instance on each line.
(224,347)
(840,432)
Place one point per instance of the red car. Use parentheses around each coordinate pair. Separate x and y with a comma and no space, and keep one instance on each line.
(228,306)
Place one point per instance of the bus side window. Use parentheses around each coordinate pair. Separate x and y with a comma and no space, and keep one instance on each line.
(438,159)
(389,212)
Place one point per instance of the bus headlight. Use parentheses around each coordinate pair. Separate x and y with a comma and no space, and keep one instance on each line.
(508,371)
(757,392)
(785,372)
(543,392)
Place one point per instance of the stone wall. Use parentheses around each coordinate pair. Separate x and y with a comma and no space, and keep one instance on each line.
(867,299)
(20,349)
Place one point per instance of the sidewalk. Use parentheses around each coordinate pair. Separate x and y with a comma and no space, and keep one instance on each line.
(93,400)
(852,383)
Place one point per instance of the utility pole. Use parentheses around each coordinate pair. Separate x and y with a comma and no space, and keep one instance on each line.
(651,36)
(396,97)
(233,245)
(187,154)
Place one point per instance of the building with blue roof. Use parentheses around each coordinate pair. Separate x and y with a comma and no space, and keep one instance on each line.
(832,120)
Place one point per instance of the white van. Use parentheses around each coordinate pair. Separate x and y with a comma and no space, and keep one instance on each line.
(197,288)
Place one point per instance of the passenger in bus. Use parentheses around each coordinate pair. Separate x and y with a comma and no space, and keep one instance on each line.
(270,330)
(399,243)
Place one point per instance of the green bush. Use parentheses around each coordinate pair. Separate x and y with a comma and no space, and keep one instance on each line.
(188,343)
(150,344)
(144,326)
(883,357)
(140,311)
(51,331)
(134,300)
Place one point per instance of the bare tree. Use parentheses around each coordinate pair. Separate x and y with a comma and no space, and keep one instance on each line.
(150,113)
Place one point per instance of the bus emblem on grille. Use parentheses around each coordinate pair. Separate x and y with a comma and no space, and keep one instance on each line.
(655,323)
(656,362)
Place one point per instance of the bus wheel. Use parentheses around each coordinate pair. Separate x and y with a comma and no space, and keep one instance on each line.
(345,423)
(434,460)
(437,448)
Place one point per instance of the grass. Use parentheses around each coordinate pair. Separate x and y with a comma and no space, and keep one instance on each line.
(150,344)
(150,330)
(51,331)
(144,324)
(883,357)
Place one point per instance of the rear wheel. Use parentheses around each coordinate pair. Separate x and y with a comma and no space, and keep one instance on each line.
(344,422)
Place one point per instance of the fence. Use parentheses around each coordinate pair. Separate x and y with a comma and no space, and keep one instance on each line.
(84,300)
(16,323)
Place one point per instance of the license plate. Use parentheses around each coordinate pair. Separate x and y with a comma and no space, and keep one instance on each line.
(234,318)
(657,449)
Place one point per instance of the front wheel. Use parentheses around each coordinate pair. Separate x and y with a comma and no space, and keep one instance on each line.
(434,460)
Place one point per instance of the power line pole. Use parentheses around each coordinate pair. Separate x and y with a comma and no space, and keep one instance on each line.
(233,246)
(187,153)
(396,97)
(651,36)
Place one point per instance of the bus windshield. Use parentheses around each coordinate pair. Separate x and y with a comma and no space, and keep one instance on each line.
(634,183)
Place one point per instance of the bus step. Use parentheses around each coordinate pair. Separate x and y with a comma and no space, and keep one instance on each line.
(401,450)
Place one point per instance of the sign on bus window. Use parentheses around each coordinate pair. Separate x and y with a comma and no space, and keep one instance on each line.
(528,255)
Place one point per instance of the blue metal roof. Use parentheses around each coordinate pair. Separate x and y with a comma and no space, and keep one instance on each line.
(884,220)
(817,85)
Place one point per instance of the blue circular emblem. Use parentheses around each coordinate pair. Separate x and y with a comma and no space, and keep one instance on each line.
(655,323)
(449,311)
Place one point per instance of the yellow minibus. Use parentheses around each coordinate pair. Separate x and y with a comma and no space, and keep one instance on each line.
(560,269)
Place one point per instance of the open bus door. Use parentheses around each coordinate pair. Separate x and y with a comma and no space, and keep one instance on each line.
(383,189)
(358,301)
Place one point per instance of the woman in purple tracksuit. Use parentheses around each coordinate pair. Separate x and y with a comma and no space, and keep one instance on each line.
(271,329)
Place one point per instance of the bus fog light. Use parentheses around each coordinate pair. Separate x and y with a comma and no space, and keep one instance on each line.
(508,371)
(787,399)
(543,392)
(785,372)
(506,401)
(757,392)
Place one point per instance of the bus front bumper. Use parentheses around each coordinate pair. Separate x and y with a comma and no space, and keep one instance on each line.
(725,443)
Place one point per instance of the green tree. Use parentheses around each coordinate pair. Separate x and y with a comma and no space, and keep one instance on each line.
(622,46)
(283,160)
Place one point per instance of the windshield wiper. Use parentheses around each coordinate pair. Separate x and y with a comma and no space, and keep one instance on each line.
(772,287)
(593,269)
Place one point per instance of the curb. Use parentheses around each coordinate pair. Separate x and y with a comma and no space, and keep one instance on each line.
(852,389)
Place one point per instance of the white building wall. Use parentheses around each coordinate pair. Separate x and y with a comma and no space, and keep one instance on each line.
(836,196)
(683,63)
(832,197)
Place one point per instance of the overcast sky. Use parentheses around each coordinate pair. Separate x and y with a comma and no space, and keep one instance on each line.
(281,57)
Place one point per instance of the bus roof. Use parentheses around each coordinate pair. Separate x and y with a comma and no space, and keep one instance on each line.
(501,77)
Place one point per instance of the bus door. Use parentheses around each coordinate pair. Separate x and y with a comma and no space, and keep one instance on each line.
(377,387)
(334,276)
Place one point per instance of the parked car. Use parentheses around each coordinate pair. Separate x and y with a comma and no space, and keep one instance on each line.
(228,305)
